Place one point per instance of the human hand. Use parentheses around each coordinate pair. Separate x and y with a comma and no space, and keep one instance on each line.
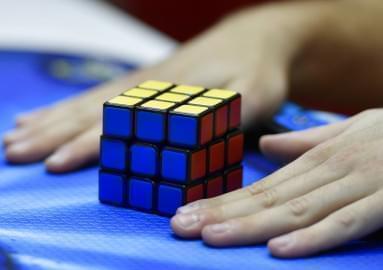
(328,196)
(248,52)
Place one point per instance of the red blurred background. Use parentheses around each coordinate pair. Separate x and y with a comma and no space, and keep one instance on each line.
(182,19)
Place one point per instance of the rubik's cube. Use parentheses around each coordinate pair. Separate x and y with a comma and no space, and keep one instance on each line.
(165,145)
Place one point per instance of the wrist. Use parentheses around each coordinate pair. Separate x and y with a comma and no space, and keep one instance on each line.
(290,26)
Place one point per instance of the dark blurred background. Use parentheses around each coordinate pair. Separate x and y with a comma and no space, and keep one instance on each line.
(182,19)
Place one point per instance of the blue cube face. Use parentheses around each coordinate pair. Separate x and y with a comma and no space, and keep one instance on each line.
(183,130)
(113,154)
(144,159)
(169,199)
(111,188)
(150,126)
(141,193)
(174,165)
(118,121)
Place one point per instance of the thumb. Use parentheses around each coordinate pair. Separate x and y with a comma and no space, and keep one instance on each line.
(288,146)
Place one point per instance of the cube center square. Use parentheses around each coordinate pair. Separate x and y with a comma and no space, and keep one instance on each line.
(188,90)
(144,159)
(165,145)
(173,97)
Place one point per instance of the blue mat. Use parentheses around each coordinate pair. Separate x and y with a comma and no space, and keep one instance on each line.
(56,222)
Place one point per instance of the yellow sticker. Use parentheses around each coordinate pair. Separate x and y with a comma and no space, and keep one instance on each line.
(155,85)
(157,104)
(172,97)
(124,101)
(191,109)
(205,101)
(220,93)
(187,89)
(141,93)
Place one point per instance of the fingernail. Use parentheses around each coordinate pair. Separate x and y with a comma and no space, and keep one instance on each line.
(188,208)
(55,159)
(8,137)
(187,221)
(18,148)
(16,152)
(282,241)
(220,228)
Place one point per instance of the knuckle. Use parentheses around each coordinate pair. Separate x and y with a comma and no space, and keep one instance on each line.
(298,207)
(219,213)
(199,204)
(269,198)
(256,188)
(346,220)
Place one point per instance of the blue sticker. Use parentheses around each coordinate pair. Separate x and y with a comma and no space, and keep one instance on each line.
(140,193)
(150,126)
(169,199)
(117,122)
(144,159)
(113,154)
(111,188)
(174,165)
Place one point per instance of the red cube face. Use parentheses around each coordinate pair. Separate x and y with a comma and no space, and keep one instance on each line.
(198,164)
(216,158)
(221,121)
(206,128)
(214,187)
(194,193)
(234,148)
(235,113)
(233,179)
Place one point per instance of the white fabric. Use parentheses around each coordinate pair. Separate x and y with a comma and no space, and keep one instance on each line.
(79,26)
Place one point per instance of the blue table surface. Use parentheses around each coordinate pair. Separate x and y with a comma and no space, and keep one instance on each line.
(52,221)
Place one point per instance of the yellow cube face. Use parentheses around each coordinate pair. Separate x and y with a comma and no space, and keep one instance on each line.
(171,97)
(191,109)
(165,96)
(124,101)
(188,90)
(156,85)
(205,101)
(220,93)
(158,105)
(140,93)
